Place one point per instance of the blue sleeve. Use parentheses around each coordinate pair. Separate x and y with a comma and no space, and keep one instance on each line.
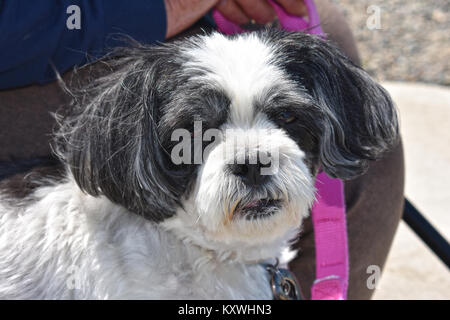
(34,35)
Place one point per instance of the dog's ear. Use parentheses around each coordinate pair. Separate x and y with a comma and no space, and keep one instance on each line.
(110,139)
(358,120)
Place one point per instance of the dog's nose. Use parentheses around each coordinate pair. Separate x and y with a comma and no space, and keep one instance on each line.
(250,173)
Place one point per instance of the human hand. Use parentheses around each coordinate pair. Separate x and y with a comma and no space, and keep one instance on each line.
(181,14)
(260,11)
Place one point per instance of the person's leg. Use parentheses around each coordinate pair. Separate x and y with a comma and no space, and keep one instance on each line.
(334,24)
(374,201)
(26,120)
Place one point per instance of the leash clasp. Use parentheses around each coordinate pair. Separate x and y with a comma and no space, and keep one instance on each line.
(283,283)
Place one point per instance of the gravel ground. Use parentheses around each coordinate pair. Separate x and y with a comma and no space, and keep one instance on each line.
(413,43)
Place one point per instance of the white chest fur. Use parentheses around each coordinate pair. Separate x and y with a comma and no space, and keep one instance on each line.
(65,244)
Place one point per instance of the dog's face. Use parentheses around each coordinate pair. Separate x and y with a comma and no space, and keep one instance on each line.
(221,137)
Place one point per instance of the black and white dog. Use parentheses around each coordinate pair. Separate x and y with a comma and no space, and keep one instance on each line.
(128,219)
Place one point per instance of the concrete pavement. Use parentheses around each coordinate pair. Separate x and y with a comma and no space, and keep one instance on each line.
(412,270)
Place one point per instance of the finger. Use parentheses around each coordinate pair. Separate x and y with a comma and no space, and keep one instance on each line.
(232,12)
(294,7)
(259,10)
(182,14)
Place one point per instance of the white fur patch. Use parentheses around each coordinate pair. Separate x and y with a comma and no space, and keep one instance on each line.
(243,67)
(68,245)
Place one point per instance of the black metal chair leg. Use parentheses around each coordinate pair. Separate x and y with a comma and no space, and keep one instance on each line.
(432,238)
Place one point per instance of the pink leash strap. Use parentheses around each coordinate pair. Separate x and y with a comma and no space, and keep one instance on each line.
(330,235)
(328,212)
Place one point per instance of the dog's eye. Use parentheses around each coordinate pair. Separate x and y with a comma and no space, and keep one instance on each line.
(287,117)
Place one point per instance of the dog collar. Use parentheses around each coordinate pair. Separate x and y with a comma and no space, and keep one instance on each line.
(328,212)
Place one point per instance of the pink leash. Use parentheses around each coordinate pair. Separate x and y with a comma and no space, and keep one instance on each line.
(328,212)
(330,235)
